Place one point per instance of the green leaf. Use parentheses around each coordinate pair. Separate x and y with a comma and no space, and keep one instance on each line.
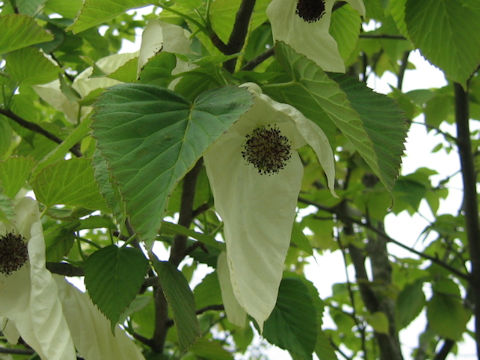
(208,291)
(210,349)
(13,173)
(29,7)
(19,31)
(67,9)
(445,312)
(6,136)
(29,66)
(62,149)
(68,182)
(378,321)
(113,277)
(151,137)
(447,33)
(322,100)
(180,299)
(95,12)
(410,303)
(7,210)
(345,27)
(172,228)
(292,325)
(323,348)
(299,239)
(384,123)
(59,240)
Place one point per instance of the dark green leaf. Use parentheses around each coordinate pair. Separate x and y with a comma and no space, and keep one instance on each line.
(151,137)
(292,324)
(208,291)
(447,33)
(113,277)
(180,299)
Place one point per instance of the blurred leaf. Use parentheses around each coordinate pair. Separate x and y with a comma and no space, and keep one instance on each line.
(378,321)
(410,303)
(68,9)
(208,292)
(210,350)
(113,277)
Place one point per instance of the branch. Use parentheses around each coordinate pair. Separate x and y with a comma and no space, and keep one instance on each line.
(16,351)
(239,32)
(38,129)
(170,322)
(470,204)
(64,269)
(252,64)
(387,238)
(186,213)
(445,350)
(403,68)
(382,36)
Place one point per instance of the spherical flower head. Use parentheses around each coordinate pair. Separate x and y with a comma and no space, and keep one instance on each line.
(255,174)
(310,10)
(267,149)
(304,25)
(13,252)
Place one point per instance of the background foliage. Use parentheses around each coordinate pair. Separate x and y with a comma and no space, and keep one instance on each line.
(104,197)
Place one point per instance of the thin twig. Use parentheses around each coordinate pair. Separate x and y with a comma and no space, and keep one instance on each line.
(16,351)
(38,129)
(402,69)
(252,64)
(382,36)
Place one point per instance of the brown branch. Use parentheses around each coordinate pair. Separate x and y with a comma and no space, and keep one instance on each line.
(170,322)
(382,36)
(38,129)
(239,32)
(402,69)
(161,316)
(470,199)
(186,213)
(16,351)
(252,64)
(64,269)
(445,349)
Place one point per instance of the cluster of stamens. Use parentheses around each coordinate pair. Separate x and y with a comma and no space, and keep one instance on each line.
(267,149)
(13,252)
(310,10)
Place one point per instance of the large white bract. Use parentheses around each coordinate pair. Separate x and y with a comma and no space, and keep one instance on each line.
(52,316)
(258,208)
(311,39)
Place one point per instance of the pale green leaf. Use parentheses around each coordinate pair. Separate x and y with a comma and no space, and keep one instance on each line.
(293,324)
(29,66)
(6,208)
(447,33)
(180,299)
(151,137)
(69,182)
(345,28)
(113,277)
(95,12)
(13,173)
(19,31)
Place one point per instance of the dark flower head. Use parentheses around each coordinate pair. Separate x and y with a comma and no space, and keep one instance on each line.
(267,149)
(13,253)
(310,10)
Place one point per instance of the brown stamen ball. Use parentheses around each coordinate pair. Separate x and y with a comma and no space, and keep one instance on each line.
(13,253)
(267,150)
(310,10)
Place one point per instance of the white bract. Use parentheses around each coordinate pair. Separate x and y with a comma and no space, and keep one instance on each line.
(29,302)
(51,315)
(311,39)
(257,197)
(160,36)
